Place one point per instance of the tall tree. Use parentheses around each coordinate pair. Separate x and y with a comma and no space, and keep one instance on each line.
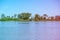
(24,15)
(3,15)
(15,15)
(45,16)
(37,17)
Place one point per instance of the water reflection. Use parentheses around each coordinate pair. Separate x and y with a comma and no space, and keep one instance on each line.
(30,31)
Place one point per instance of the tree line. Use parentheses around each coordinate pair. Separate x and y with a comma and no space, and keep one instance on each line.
(27,17)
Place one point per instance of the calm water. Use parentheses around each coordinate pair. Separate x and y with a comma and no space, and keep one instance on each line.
(30,31)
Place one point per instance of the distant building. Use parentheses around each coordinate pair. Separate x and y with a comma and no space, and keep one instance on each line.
(57,18)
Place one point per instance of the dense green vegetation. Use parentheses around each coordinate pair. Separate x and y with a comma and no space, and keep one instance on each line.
(16,17)
(27,17)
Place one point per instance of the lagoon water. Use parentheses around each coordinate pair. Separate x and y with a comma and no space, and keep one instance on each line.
(29,30)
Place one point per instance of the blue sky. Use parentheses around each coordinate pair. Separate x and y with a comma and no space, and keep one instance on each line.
(11,7)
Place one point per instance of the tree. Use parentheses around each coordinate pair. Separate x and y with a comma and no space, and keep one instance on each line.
(3,15)
(24,16)
(52,18)
(12,16)
(37,17)
(15,15)
(45,16)
(8,16)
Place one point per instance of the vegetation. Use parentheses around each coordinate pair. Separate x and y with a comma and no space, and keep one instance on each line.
(24,16)
(27,17)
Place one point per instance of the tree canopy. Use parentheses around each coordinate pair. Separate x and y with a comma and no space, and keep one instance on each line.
(24,15)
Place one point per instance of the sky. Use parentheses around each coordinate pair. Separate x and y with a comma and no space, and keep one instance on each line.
(11,7)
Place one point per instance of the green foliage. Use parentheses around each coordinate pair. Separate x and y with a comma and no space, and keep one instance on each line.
(24,16)
(3,15)
(15,15)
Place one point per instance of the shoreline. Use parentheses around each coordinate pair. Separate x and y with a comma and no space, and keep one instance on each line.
(29,21)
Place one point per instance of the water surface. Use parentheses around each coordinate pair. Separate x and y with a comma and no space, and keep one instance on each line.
(29,30)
